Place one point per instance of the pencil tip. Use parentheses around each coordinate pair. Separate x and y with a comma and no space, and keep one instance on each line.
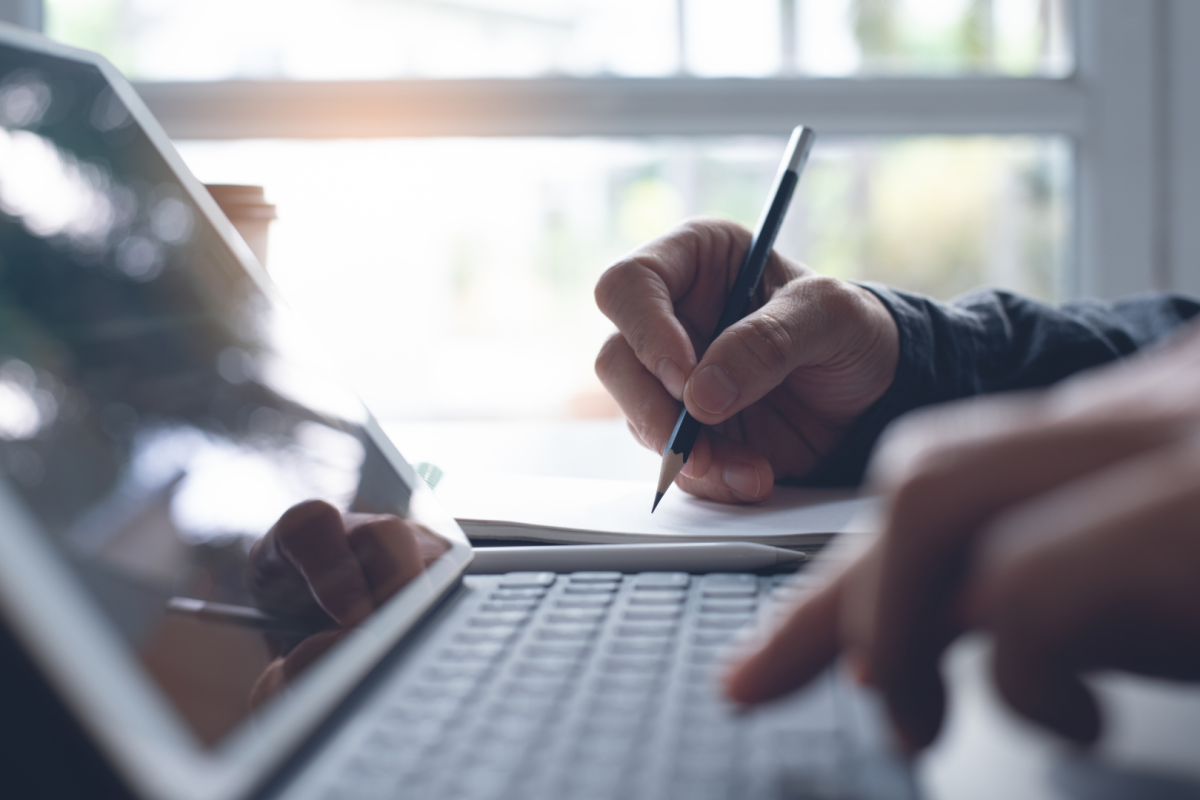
(657,496)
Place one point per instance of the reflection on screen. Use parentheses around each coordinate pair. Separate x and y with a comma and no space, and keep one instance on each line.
(223,505)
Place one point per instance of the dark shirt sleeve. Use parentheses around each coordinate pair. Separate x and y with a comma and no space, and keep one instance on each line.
(991,341)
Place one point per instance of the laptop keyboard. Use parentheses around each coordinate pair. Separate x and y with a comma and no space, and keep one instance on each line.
(594,685)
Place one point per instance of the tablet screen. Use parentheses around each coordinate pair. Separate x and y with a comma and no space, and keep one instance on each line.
(219,497)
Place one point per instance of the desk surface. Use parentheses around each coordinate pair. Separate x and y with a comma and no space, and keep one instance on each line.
(566,448)
(1152,748)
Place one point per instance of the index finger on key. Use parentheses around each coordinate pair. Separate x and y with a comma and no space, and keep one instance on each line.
(639,293)
(806,642)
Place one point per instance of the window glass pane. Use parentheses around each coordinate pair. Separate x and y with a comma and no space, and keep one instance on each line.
(348,39)
(487,250)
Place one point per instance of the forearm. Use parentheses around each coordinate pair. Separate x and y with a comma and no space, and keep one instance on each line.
(989,341)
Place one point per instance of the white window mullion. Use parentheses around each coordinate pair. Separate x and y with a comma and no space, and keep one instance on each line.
(1120,162)
(1183,143)
(26,13)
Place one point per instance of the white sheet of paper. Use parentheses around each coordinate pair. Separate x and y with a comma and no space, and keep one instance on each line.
(540,508)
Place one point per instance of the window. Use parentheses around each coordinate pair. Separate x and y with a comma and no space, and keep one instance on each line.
(383,39)
(468,167)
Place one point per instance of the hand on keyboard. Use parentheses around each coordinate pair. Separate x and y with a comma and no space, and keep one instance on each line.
(1063,523)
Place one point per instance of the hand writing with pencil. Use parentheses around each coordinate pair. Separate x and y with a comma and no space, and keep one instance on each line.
(776,391)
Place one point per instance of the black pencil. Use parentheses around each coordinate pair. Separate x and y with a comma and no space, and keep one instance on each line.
(687,427)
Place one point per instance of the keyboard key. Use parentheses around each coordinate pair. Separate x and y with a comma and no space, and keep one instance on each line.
(444,672)
(570,651)
(708,761)
(645,631)
(596,577)
(437,694)
(626,684)
(526,580)
(730,606)
(485,635)
(508,606)
(633,666)
(596,747)
(787,594)
(648,597)
(652,614)
(565,633)
(545,668)
(531,686)
(620,703)
(711,638)
(703,692)
(703,655)
(402,736)
(708,737)
(703,676)
(589,781)
(481,652)
(739,579)
(640,647)
(590,588)
(703,715)
(705,787)
(499,749)
(518,594)
(512,730)
(661,580)
(476,780)
(523,708)
(509,619)
(723,621)
(574,618)
(586,601)
(710,592)
(407,715)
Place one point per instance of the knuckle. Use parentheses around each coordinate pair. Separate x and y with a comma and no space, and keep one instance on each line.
(607,285)
(626,294)
(833,293)
(765,339)
(609,356)
(919,490)
(834,300)
(910,447)
(618,284)
(707,229)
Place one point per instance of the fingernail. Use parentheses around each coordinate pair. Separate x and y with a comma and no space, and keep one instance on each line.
(742,480)
(671,376)
(714,389)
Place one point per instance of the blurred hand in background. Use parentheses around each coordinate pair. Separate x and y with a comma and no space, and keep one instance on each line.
(1063,523)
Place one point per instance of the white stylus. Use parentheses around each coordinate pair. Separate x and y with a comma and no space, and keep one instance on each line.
(683,557)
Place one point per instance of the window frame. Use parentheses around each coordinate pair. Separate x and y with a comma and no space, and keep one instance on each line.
(1130,109)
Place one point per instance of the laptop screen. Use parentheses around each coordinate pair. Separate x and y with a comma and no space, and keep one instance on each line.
(162,423)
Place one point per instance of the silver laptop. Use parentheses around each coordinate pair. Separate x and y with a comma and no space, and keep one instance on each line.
(159,412)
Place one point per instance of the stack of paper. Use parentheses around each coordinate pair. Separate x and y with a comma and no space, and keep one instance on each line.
(582,511)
